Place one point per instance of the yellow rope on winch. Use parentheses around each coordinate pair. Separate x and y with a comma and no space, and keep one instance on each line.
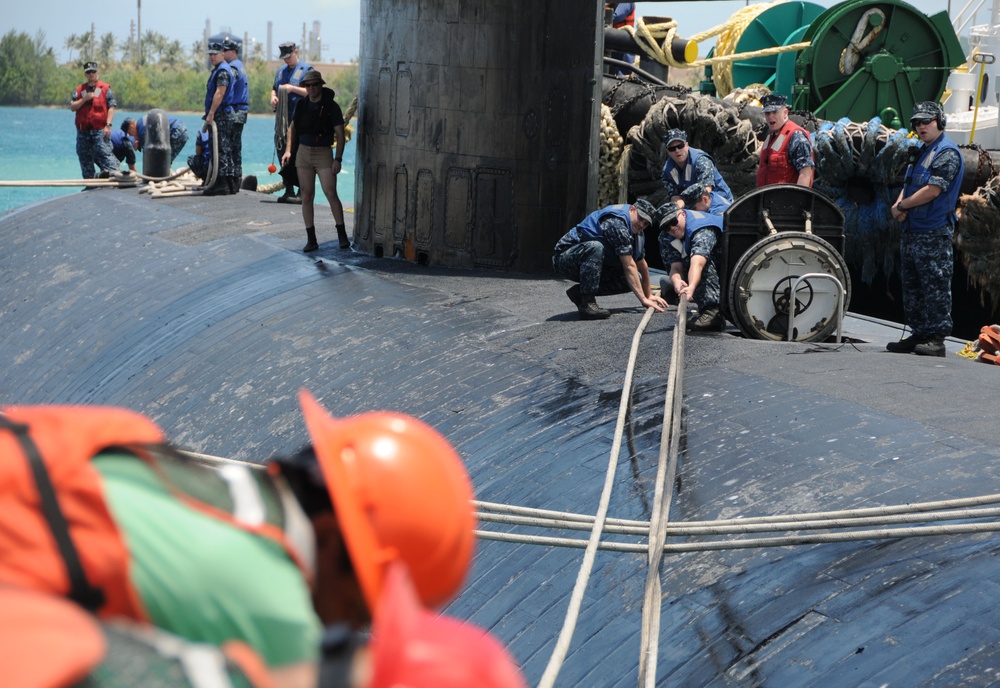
(655,41)
(653,38)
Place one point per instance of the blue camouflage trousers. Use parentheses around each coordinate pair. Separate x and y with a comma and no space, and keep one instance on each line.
(925,271)
(93,149)
(598,271)
(237,143)
(708,293)
(178,137)
(225,126)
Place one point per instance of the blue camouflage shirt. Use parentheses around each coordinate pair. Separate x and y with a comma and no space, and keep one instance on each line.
(800,151)
(704,174)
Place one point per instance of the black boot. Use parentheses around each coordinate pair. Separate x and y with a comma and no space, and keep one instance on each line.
(219,188)
(234,184)
(932,347)
(904,346)
(311,244)
(710,319)
(342,235)
(589,310)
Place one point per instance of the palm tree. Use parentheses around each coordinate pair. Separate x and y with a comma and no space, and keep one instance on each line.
(70,44)
(83,46)
(173,54)
(106,50)
(196,56)
(153,44)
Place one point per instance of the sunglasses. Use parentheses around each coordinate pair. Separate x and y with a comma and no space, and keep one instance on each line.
(312,83)
(674,149)
(672,222)
(921,122)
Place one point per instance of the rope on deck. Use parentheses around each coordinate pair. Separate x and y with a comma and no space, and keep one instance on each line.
(583,576)
(666,474)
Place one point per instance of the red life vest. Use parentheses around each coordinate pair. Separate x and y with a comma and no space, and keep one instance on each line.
(92,115)
(774,167)
(57,534)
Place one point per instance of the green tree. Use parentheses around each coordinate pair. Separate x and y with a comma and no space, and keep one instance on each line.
(25,65)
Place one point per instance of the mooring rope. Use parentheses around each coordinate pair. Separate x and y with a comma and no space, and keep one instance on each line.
(750,543)
(583,576)
(666,474)
(913,507)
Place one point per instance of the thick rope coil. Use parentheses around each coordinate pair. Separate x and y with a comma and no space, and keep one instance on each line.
(977,236)
(609,186)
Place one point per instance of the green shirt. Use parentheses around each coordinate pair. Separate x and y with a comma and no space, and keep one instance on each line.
(204,579)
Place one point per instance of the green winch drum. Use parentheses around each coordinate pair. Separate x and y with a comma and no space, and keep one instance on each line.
(867,56)
(770,29)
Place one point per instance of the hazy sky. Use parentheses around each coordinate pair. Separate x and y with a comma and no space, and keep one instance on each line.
(340,20)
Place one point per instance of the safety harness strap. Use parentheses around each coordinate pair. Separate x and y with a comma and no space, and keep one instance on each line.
(81,591)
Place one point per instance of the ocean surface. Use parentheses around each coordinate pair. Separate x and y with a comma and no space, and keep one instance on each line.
(40,144)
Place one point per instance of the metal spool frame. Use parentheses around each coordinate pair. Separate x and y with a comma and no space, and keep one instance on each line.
(775,235)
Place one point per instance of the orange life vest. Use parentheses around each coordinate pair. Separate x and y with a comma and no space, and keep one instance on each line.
(93,115)
(57,534)
(775,168)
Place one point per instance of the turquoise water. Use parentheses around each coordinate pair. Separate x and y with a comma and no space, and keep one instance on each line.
(40,143)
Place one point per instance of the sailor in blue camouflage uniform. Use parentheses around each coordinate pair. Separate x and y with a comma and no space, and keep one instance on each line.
(136,128)
(241,107)
(925,210)
(198,163)
(288,87)
(123,148)
(606,254)
(219,109)
(697,197)
(691,249)
(687,166)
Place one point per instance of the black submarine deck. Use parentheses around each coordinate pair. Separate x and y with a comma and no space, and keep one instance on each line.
(204,314)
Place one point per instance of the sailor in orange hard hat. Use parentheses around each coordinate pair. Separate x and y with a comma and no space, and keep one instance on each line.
(381,487)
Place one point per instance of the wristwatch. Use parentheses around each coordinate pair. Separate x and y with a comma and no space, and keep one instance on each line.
(900,208)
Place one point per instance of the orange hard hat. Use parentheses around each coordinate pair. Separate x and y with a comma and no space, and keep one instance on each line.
(46,640)
(414,648)
(400,491)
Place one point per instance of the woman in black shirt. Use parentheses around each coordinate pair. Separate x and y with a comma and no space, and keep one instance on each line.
(317,123)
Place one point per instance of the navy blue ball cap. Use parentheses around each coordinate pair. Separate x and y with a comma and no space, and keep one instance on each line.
(667,214)
(645,210)
(89,67)
(214,47)
(773,102)
(928,109)
(676,135)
